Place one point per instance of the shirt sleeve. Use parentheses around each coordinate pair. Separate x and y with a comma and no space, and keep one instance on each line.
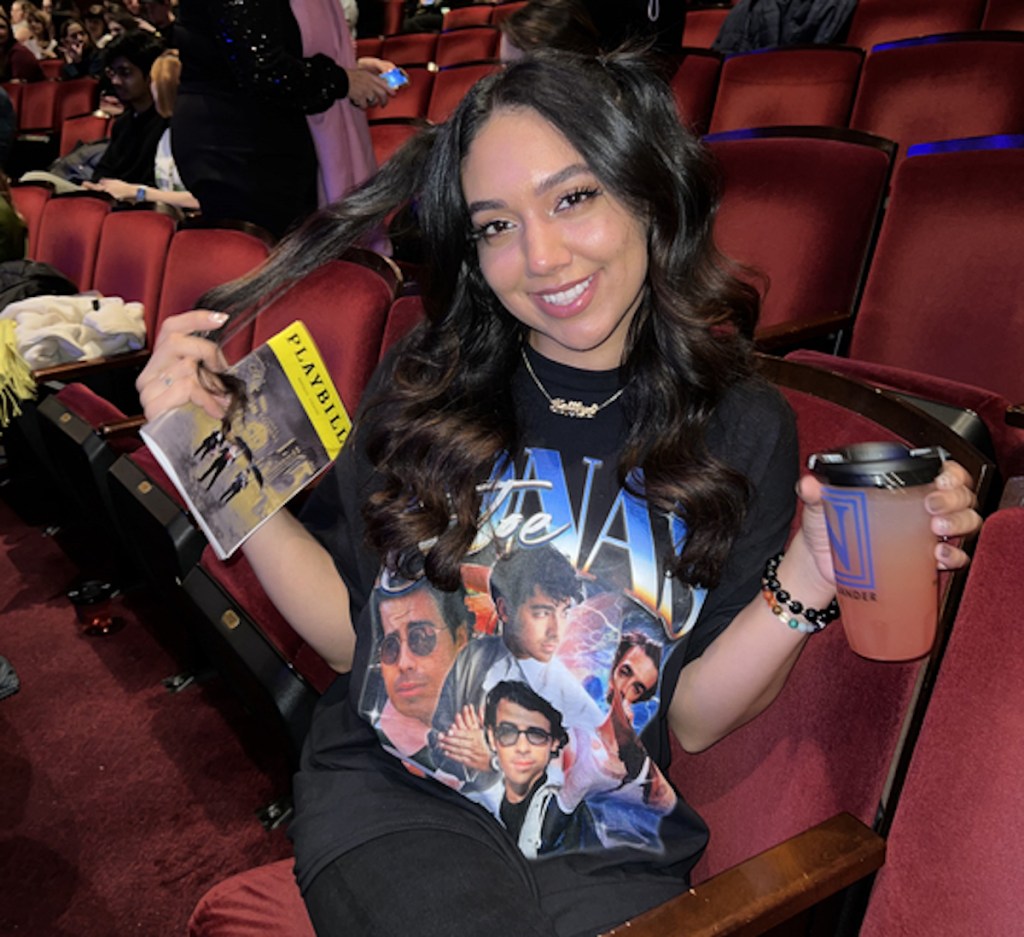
(245,32)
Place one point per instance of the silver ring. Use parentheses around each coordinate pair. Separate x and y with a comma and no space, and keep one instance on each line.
(168,381)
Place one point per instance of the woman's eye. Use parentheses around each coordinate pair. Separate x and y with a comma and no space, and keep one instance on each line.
(491,229)
(577,197)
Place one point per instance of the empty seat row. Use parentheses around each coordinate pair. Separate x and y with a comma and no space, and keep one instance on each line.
(468,44)
(43,106)
(930,287)
(459,17)
(939,87)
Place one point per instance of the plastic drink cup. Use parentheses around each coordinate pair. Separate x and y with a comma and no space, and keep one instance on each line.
(882,545)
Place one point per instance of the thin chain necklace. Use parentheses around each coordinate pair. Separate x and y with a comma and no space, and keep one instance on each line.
(562,407)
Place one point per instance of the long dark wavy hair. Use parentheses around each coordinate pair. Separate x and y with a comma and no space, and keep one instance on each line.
(446,415)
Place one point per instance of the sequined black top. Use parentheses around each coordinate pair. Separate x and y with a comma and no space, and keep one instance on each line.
(253,46)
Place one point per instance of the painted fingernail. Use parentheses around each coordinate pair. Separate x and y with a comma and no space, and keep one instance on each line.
(218,318)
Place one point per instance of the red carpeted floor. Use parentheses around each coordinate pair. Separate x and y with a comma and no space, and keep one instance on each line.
(120,803)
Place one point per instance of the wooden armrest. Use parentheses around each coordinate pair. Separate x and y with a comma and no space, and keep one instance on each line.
(1015,416)
(769,888)
(787,335)
(129,426)
(70,371)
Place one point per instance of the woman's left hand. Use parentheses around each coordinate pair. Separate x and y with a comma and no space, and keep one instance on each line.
(951,506)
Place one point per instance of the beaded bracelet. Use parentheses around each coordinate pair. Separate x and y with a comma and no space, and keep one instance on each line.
(779,600)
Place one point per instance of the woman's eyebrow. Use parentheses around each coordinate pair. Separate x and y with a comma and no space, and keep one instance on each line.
(545,185)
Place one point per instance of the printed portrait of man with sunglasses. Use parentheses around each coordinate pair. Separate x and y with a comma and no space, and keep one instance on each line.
(533,590)
(421,633)
(525,734)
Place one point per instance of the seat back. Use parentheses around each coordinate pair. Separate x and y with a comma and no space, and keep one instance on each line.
(504,10)
(451,85)
(131,258)
(69,234)
(51,68)
(14,91)
(471,44)
(942,88)
(389,134)
(694,84)
(945,292)
(29,199)
(199,259)
(37,108)
(838,736)
(83,128)
(344,304)
(801,205)
(77,96)
(409,48)
(875,21)
(1003,14)
(701,27)
(808,85)
(476,14)
(406,312)
(962,798)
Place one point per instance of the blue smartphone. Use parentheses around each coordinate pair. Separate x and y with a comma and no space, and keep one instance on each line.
(395,78)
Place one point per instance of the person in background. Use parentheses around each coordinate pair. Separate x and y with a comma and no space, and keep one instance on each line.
(168,189)
(19,22)
(96,25)
(548,24)
(40,41)
(136,133)
(160,15)
(13,239)
(341,135)
(81,57)
(16,62)
(240,134)
(120,22)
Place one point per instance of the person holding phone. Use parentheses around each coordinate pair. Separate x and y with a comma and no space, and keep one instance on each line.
(241,138)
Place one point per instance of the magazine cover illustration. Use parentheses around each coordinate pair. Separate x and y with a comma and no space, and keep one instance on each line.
(292,426)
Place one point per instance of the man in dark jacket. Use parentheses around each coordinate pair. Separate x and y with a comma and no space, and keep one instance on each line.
(136,133)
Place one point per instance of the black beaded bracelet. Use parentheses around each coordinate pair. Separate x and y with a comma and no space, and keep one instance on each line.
(779,600)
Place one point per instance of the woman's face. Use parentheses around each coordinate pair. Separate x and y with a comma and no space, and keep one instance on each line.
(37,26)
(560,252)
(115,29)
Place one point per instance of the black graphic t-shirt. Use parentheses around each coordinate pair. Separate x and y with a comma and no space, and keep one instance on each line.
(535,695)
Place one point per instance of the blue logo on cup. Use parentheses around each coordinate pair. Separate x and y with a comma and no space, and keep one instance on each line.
(850,537)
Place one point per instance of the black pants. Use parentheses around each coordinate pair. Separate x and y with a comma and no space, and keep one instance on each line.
(441,883)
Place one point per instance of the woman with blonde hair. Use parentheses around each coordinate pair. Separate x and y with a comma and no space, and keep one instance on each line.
(40,42)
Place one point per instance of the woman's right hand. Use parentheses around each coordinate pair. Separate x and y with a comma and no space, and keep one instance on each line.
(171,376)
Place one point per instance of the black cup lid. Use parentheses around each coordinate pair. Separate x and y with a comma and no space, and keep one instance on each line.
(878,465)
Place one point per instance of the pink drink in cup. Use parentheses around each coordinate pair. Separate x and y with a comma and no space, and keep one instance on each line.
(882,545)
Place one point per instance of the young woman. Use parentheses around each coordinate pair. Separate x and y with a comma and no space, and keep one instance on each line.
(40,41)
(82,59)
(583,385)
(16,62)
